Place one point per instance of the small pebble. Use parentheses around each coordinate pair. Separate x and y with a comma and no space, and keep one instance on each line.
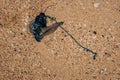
(24,29)
(96,5)
(95,32)
(1,25)
(101,71)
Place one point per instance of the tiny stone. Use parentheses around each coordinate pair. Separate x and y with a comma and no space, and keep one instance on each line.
(94,32)
(102,35)
(101,71)
(62,39)
(1,25)
(96,5)
(21,33)
(24,29)
(15,49)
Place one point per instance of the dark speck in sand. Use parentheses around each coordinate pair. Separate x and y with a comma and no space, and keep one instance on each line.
(95,32)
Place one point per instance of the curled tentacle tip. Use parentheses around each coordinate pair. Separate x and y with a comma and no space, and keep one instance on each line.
(94,56)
